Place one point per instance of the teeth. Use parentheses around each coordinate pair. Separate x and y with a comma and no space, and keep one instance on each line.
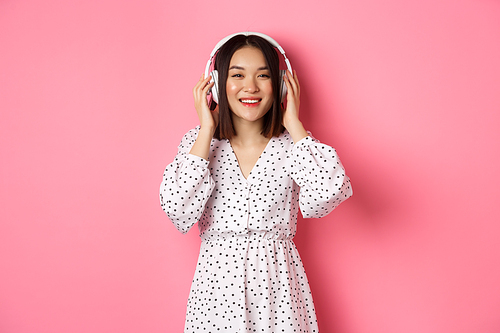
(250,101)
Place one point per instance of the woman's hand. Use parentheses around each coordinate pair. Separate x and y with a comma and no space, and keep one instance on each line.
(208,119)
(291,114)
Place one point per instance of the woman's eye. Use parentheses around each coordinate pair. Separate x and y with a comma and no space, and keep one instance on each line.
(237,75)
(265,76)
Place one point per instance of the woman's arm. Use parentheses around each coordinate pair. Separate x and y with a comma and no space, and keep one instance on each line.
(186,186)
(323,183)
(315,167)
(187,183)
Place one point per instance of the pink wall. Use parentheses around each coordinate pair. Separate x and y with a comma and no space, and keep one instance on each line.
(95,96)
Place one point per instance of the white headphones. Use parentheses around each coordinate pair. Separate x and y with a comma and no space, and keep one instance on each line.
(215,74)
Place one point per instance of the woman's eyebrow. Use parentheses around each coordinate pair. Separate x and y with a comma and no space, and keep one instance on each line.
(264,68)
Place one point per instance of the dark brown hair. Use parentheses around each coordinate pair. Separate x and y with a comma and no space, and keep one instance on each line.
(273,118)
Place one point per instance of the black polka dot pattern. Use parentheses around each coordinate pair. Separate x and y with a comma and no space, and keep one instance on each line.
(249,276)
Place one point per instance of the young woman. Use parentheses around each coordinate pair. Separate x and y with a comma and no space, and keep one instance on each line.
(242,175)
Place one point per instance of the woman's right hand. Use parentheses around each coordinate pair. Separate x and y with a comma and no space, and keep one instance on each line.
(208,119)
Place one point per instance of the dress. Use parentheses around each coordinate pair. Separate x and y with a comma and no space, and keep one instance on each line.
(249,276)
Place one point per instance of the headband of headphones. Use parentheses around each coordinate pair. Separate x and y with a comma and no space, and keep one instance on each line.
(215,75)
(247,33)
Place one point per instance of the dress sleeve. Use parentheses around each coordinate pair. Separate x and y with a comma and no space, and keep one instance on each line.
(317,169)
(187,185)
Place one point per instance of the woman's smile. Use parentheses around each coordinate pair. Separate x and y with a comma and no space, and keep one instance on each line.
(250,102)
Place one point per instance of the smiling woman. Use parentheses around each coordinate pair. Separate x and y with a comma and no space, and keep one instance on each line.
(242,175)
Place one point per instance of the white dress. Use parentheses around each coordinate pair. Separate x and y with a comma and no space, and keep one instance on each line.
(249,276)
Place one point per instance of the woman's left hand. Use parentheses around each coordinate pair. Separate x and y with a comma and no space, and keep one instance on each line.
(291,113)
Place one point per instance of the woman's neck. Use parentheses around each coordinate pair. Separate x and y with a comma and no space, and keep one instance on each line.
(248,132)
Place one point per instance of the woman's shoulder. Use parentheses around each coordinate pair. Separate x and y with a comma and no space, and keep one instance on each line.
(286,139)
(193,132)
(192,135)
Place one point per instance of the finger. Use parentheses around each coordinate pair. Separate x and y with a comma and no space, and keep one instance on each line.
(206,82)
(291,83)
(198,84)
(200,81)
(286,79)
(203,80)
(296,81)
(288,87)
(207,87)
(202,86)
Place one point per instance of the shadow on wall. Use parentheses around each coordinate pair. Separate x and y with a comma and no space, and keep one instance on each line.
(381,200)
(370,212)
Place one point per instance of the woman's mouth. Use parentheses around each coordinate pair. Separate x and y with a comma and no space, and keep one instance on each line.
(249,102)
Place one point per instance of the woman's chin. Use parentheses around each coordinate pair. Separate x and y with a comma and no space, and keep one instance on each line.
(249,116)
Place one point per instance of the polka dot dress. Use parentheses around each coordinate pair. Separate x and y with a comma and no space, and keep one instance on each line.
(249,276)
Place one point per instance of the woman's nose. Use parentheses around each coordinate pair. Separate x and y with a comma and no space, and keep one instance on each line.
(250,85)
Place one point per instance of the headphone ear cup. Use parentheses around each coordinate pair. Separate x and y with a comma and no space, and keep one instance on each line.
(215,89)
(282,86)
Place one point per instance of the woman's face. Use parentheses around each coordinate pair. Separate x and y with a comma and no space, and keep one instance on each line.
(248,87)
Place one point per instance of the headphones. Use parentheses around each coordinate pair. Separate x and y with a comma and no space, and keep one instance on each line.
(215,74)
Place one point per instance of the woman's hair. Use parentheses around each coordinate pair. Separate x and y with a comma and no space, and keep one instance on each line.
(273,118)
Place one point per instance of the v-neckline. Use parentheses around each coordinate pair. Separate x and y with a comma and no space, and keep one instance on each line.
(250,174)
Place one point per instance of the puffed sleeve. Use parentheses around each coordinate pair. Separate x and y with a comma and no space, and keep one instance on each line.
(186,186)
(317,169)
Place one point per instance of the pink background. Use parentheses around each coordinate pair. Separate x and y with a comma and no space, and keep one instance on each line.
(95,96)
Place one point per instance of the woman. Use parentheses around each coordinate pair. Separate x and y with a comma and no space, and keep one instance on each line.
(242,175)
